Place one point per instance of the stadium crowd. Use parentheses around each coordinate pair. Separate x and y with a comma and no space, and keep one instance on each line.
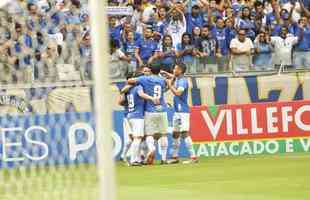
(211,35)
(47,40)
(39,39)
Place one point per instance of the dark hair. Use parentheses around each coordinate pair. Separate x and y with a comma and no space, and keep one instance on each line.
(113,45)
(129,75)
(246,17)
(163,40)
(186,34)
(29,5)
(155,69)
(18,25)
(137,2)
(162,7)
(218,19)
(257,3)
(76,3)
(195,7)
(182,66)
(301,19)
(39,34)
(205,26)
(37,55)
(149,27)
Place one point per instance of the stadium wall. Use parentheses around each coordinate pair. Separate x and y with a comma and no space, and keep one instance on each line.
(52,125)
(243,90)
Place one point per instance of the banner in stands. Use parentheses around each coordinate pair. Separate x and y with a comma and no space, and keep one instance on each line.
(203,91)
(42,100)
(230,130)
(243,90)
(119,10)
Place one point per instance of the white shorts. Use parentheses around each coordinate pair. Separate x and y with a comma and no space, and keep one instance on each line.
(137,127)
(156,122)
(181,122)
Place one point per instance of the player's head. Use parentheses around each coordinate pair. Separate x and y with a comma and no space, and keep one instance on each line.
(155,69)
(179,69)
(146,71)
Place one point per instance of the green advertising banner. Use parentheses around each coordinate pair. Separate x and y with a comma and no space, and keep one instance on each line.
(253,147)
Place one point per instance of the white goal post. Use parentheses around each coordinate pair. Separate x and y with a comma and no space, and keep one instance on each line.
(103,111)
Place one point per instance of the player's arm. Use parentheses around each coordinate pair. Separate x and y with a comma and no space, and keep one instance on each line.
(176,91)
(125,89)
(132,81)
(167,74)
(121,100)
(148,97)
(167,84)
(137,55)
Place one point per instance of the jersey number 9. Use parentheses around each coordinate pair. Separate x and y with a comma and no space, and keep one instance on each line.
(157,91)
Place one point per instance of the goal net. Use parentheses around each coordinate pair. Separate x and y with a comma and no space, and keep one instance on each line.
(49,146)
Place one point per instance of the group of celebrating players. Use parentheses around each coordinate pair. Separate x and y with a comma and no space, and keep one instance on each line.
(146,120)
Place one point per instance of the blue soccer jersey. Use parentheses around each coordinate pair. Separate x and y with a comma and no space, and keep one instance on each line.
(125,111)
(154,86)
(135,103)
(180,102)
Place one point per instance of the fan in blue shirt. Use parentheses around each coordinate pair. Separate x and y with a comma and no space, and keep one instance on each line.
(194,19)
(301,55)
(129,48)
(166,54)
(146,47)
(114,29)
(262,59)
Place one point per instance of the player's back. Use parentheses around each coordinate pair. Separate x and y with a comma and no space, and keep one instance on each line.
(180,102)
(135,103)
(154,86)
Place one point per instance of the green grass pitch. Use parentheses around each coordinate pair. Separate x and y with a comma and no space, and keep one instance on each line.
(277,177)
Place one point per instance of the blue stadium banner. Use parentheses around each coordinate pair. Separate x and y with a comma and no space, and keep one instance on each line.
(57,139)
(54,139)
